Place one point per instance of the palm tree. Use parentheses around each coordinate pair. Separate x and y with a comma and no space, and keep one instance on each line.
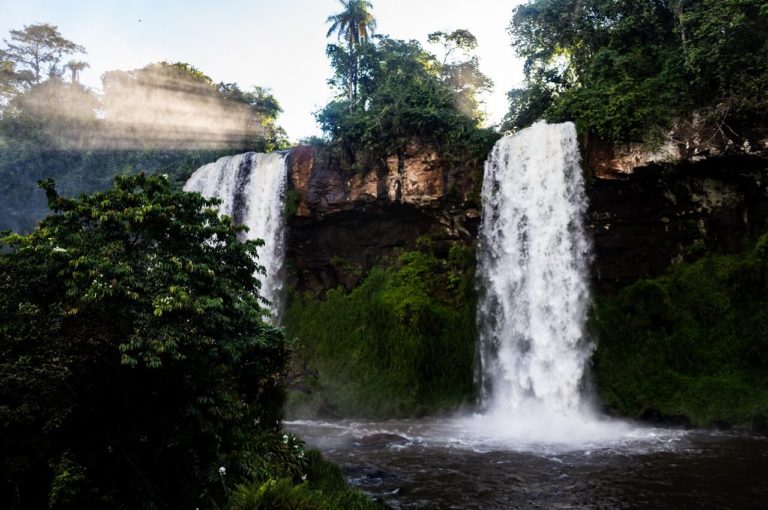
(75,66)
(355,24)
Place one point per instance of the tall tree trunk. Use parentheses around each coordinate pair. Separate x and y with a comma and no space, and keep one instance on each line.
(352,72)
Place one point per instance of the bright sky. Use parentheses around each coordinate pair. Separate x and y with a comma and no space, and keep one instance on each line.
(278,44)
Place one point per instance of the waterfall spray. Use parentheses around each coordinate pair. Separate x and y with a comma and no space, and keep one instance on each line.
(252,190)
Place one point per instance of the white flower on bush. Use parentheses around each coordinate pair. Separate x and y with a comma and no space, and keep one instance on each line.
(222,471)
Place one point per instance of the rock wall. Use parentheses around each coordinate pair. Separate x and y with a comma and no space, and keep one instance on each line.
(347,222)
(660,214)
(703,185)
(643,217)
(703,136)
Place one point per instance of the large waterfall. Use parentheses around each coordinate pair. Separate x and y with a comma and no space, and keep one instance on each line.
(533,263)
(252,190)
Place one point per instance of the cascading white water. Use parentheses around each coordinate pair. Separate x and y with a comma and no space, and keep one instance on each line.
(252,189)
(533,262)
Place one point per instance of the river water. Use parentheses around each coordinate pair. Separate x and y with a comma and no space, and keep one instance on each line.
(438,464)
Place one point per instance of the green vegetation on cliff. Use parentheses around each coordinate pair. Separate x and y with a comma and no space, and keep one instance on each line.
(395,99)
(624,69)
(399,344)
(692,343)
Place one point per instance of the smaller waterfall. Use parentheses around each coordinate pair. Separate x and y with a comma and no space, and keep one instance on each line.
(252,189)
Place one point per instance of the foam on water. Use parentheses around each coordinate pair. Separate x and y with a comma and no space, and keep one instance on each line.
(478,434)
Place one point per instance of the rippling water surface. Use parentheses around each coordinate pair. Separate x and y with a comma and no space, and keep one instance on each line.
(453,464)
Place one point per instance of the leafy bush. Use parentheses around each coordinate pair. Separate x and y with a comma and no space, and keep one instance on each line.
(401,343)
(324,488)
(691,343)
(136,370)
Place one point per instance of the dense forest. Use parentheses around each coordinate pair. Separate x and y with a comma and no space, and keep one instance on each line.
(628,71)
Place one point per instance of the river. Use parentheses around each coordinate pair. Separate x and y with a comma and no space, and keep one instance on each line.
(428,464)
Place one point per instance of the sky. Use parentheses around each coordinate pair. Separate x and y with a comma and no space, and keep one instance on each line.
(279,44)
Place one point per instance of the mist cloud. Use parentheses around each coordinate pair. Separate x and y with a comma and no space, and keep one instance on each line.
(158,107)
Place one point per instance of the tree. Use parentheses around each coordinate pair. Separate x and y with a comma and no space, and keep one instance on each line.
(177,106)
(726,50)
(39,49)
(355,24)
(75,66)
(460,70)
(11,80)
(404,107)
(264,109)
(615,67)
(32,55)
(628,69)
(65,114)
(134,360)
(461,40)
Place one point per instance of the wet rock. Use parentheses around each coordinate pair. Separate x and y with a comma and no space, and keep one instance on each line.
(348,221)
(369,475)
(380,475)
(662,214)
(381,441)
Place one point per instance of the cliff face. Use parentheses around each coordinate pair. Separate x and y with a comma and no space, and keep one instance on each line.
(650,207)
(345,223)
(644,214)
(703,136)
(660,214)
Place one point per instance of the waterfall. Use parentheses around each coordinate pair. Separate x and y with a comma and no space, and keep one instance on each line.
(533,263)
(252,190)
